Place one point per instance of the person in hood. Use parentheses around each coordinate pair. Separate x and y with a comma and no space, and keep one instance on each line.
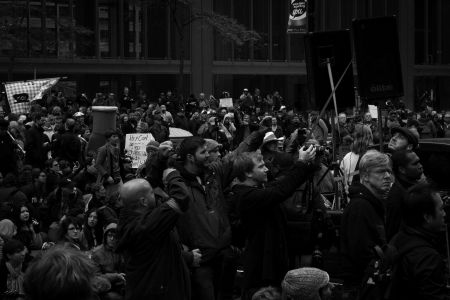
(109,263)
(155,268)
(362,225)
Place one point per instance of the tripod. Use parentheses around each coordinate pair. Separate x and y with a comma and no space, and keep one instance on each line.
(337,173)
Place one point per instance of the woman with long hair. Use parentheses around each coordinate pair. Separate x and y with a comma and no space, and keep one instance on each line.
(92,235)
(362,139)
(25,225)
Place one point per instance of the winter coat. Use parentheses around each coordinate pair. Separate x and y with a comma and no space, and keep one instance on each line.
(205,225)
(393,206)
(108,154)
(8,155)
(36,152)
(362,228)
(155,268)
(70,147)
(421,274)
(265,256)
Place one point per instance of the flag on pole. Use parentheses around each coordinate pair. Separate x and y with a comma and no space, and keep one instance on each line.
(21,93)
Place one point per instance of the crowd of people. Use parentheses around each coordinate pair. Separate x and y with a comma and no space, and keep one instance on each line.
(240,209)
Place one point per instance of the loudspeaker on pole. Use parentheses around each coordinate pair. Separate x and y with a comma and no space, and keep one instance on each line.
(334,46)
(377,56)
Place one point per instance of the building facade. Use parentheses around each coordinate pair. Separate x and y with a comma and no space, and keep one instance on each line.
(122,43)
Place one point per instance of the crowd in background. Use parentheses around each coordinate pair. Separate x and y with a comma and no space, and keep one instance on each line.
(55,191)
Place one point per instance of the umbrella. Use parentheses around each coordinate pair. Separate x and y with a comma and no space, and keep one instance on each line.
(178,133)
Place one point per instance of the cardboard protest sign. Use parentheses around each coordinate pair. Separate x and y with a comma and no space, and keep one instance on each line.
(226,102)
(135,145)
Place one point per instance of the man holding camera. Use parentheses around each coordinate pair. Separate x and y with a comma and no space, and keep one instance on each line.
(265,257)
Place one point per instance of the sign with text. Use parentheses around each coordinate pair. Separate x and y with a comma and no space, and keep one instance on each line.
(373,110)
(135,145)
(226,102)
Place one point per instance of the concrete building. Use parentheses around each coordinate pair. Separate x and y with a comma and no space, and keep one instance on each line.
(139,47)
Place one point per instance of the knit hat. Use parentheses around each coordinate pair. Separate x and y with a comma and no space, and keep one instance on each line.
(109,227)
(212,144)
(305,283)
(269,137)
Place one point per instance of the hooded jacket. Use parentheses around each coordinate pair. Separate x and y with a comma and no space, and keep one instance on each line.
(362,228)
(155,268)
(421,274)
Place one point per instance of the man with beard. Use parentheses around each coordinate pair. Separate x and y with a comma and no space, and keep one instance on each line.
(362,225)
(408,171)
(37,143)
(205,224)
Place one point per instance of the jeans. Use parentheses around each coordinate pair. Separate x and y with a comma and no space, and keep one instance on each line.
(215,279)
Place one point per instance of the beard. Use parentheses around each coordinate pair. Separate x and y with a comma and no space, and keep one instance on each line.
(201,165)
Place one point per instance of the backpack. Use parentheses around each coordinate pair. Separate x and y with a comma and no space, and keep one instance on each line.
(382,275)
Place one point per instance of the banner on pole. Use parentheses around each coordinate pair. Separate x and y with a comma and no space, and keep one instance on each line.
(20,94)
(298,16)
(135,144)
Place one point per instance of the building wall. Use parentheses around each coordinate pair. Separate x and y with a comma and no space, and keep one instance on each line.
(139,47)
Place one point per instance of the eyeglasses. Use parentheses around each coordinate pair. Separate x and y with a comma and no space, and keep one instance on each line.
(73,228)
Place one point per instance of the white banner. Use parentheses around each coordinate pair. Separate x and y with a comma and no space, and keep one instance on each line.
(21,93)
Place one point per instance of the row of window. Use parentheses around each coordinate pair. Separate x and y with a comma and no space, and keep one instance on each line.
(120,29)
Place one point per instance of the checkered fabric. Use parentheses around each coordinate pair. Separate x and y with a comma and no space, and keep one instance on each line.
(21,93)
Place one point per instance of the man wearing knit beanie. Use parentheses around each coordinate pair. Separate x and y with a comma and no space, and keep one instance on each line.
(306,284)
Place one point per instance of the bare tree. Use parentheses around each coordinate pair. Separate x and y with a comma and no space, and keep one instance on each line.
(225,26)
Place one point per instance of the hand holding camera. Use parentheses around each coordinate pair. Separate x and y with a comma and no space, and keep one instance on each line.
(307,154)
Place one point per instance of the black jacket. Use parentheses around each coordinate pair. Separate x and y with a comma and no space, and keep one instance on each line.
(362,228)
(421,274)
(393,206)
(36,152)
(155,268)
(265,256)
(70,147)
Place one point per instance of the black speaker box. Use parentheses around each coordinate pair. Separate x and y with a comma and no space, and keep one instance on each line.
(377,55)
(334,46)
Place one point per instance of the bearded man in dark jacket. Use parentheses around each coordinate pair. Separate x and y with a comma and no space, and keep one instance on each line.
(265,256)
(362,225)
(155,268)
(205,226)
(421,272)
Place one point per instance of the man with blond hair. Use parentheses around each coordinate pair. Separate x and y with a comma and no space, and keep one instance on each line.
(362,225)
